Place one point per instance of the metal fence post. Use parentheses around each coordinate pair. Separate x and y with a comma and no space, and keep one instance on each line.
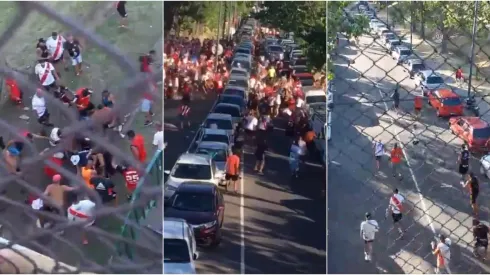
(473,37)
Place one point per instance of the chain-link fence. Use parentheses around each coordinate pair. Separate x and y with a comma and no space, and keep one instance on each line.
(407,60)
(28,249)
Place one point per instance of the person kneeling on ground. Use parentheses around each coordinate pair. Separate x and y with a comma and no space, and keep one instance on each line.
(82,210)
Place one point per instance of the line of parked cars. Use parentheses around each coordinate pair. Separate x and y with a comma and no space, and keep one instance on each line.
(194,204)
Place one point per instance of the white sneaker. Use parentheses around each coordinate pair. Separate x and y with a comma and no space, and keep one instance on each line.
(366,257)
(461,182)
(122,135)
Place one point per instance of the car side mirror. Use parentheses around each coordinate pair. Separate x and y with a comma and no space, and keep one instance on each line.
(195,256)
(166,172)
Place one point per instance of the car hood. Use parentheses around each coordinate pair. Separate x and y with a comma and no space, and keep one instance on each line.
(179,268)
(193,218)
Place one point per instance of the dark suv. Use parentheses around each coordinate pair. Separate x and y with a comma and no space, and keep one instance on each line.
(202,206)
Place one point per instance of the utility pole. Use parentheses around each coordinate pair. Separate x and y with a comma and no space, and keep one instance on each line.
(223,19)
(388,14)
(473,36)
(217,38)
(411,24)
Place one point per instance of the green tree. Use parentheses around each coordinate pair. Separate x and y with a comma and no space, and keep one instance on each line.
(307,20)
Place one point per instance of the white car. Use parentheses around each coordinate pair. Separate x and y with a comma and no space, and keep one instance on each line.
(428,80)
(191,167)
(376,27)
(382,31)
(180,247)
(401,54)
(392,43)
(219,151)
(315,97)
(373,23)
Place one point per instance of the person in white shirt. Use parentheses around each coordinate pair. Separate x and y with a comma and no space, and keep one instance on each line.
(251,123)
(443,253)
(56,49)
(277,105)
(379,151)
(369,228)
(39,106)
(395,207)
(158,137)
(299,102)
(82,210)
(47,74)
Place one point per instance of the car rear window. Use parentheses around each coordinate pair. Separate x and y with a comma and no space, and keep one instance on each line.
(194,202)
(221,123)
(192,171)
(435,80)
(419,67)
(234,112)
(217,138)
(275,49)
(405,52)
(451,101)
(176,251)
(483,133)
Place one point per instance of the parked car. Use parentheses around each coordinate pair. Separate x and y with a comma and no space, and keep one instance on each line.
(446,102)
(401,54)
(235,111)
(191,167)
(382,31)
(373,23)
(306,79)
(414,66)
(315,97)
(473,130)
(428,80)
(179,244)
(203,207)
(392,45)
(274,52)
(233,99)
(219,151)
(214,135)
(387,37)
(219,121)
(236,90)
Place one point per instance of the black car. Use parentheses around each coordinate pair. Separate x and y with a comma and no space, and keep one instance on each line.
(202,206)
(274,52)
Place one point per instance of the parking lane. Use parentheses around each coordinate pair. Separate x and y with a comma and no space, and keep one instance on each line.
(432,162)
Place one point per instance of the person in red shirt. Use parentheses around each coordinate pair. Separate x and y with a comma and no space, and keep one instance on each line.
(82,100)
(14,90)
(418,103)
(131,177)
(218,83)
(396,159)
(137,146)
(146,61)
(459,76)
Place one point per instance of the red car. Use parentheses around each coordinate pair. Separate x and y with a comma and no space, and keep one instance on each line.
(473,130)
(446,102)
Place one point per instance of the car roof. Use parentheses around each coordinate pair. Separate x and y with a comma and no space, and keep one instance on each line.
(476,122)
(238,69)
(231,96)
(402,48)
(174,228)
(446,93)
(188,158)
(416,61)
(209,131)
(219,116)
(196,187)
(221,104)
(212,145)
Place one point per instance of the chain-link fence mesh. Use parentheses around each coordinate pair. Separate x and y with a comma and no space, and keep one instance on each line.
(444,36)
(107,251)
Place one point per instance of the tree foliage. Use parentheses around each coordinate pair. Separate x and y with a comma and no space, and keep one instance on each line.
(307,20)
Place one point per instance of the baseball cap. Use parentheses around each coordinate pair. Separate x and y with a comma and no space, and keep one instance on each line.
(57,177)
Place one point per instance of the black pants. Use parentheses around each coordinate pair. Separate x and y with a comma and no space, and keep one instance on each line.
(44,119)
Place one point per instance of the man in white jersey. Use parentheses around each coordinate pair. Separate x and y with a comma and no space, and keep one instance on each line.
(379,151)
(395,207)
(82,210)
(47,74)
(56,48)
(39,106)
(369,227)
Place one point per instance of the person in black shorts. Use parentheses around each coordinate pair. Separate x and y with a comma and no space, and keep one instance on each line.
(121,9)
(474,186)
(480,233)
(464,161)
(184,112)
(104,187)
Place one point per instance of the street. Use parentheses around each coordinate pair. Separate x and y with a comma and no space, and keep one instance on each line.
(435,202)
(274,226)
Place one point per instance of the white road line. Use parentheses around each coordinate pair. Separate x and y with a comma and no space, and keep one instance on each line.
(242,219)
(421,196)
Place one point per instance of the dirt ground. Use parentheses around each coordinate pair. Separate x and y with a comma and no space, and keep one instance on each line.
(100,72)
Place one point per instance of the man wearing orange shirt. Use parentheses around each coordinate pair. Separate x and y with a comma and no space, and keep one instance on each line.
(396,159)
(232,170)
(137,146)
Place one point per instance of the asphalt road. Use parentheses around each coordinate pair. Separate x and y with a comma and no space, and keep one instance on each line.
(275,226)
(436,202)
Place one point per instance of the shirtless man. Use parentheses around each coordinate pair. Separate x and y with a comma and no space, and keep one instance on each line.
(56,192)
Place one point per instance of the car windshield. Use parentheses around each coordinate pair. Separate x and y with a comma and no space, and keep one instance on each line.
(300,62)
(405,52)
(234,92)
(306,81)
(214,137)
(316,99)
(395,43)
(481,133)
(301,70)
(234,112)
(242,50)
(195,202)
(451,101)
(238,82)
(216,154)
(232,100)
(275,49)
(237,72)
(176,251)
(418,67)
(435,80)
(192,171)
(221,123)
(243,64)
(390,36)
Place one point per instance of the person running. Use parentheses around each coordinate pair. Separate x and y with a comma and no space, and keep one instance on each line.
(473,185)
(396,99)
(260,150)
(464,162)
(395,207)
(137,146)
(104,187)
(369,228)
(232,170)
(379,152)
(443,254)
(121,10)
(184,113)
(418,104)
(74,49)
(82,210)
(480,234)
(396,159)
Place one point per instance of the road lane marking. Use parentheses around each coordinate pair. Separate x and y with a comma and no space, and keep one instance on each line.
(242,218)
(421,196)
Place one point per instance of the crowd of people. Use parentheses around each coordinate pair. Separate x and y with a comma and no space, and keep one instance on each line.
(93,164)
